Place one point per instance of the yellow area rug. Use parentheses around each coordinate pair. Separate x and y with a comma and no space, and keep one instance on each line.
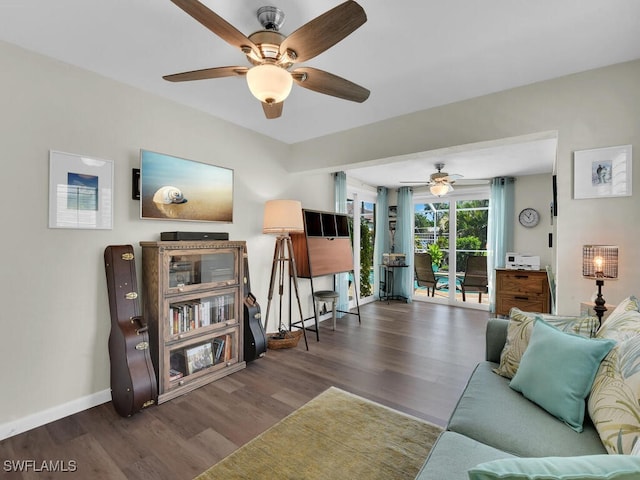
(335,435)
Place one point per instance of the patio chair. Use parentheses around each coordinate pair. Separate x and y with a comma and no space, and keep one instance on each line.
(475,277)
(424,272)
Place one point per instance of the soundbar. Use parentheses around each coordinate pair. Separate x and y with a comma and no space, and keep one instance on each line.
(169,236)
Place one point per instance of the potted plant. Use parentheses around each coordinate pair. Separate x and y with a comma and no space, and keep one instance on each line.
(436,255)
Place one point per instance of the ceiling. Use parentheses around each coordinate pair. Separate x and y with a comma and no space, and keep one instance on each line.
(412,55)
(477,163)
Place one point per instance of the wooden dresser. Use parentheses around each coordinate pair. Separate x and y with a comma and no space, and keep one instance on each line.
(526,289)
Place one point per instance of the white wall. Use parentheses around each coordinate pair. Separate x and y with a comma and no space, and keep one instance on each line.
(55,315)
(598,108)
(534,191)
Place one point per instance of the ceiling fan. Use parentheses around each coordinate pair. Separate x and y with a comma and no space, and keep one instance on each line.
(273,55)
(440,183)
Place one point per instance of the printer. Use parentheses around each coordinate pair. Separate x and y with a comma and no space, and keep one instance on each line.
(522,261)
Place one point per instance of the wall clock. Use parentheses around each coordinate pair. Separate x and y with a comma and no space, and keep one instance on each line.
(529,217)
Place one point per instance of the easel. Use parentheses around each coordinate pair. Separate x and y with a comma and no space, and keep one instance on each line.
(283,255)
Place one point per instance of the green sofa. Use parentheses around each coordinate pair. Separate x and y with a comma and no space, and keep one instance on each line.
(491,421)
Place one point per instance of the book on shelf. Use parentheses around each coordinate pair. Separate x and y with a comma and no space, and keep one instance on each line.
(218,345)
(227,347)
(189,315)
(222,308)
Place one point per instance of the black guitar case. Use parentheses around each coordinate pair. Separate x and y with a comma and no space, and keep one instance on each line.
(255,340)
(133,379)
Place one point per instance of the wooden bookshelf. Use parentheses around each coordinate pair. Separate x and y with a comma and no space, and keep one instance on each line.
(193,304)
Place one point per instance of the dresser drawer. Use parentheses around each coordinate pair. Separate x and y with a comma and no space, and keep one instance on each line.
(531,303)
(522,282)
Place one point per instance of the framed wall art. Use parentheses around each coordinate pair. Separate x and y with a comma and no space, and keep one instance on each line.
(602,172)
(80,191)
(174,188)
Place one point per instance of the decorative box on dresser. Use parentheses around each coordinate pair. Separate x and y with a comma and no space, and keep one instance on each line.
(194,305)
(526,289)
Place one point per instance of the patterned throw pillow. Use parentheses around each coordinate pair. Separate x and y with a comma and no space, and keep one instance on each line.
(636,450)
(629,303)
(620,324)
(519,333)
(614,403)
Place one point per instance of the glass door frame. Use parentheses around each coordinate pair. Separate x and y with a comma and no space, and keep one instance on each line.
(359,194)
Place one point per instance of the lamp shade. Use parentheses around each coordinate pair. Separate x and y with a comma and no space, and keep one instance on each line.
(282,216)
(269,83)
(600,261)
(440,189)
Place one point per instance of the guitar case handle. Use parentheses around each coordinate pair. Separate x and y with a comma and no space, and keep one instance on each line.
(143,326)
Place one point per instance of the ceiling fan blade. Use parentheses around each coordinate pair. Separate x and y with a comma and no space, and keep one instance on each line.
(324,32)
(453,177)
(477,181)
(206,73)
(329,84)
(217,25)
(272,110)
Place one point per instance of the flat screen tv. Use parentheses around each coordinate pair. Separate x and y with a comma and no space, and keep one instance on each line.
(174,188)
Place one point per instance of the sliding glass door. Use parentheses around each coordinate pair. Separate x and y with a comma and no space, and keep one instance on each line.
(452,229)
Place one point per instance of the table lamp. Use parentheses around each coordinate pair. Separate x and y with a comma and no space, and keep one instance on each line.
(600,262)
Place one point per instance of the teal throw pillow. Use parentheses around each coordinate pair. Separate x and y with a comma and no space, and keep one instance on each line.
(557,370)
(589,467)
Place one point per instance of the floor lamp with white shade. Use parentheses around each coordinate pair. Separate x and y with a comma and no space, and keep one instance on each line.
(282,217)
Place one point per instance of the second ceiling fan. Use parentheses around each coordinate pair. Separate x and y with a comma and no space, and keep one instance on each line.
(440,183)
(273,54)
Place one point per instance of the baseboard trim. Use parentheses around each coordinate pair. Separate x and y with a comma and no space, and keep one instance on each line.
(49,415)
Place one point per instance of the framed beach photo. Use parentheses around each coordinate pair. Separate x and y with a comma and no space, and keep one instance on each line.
(80,191)
(602,172)
(175,188)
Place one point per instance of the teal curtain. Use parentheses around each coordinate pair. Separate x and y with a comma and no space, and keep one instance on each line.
(500,234)
(342,279)
(381,240)
(403,281)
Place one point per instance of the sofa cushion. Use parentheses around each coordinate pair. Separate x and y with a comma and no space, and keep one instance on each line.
(557,371)
(492,413)
(594,467)
(453,454)
(519,333)
(614,403)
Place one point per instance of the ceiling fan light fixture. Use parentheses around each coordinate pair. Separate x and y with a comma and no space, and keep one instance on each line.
(440,189)
(269,83)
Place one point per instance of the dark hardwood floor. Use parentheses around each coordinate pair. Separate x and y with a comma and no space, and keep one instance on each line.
(412,357)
